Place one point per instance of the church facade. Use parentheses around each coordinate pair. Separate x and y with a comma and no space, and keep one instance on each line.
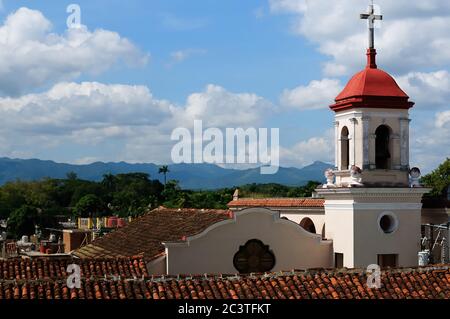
(369,212)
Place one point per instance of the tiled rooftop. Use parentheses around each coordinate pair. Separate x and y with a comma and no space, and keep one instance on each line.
(419,283)
(44,268)
(277,202)
(144,235)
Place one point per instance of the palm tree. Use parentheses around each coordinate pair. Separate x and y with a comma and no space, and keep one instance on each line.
(164,170)
(72,176)
(109,181)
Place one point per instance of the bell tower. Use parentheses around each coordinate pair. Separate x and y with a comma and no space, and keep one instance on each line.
(372,128)
(372,213)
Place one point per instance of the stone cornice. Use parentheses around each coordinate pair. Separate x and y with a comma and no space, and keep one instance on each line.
(365,192)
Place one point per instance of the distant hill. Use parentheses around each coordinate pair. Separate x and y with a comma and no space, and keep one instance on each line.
(191,176)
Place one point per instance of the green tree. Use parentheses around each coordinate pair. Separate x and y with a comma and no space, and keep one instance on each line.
(22,221)
(164,170)
(136,193)
(89,205)
(109,182)
(72,176)
(12,197)
(439,180)
(173,196)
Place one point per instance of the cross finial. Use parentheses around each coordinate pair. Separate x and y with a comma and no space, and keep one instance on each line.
(371,17)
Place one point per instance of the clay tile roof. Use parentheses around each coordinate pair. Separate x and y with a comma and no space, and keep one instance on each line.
(18,269)
(144,236)
(277,202)
(416,283)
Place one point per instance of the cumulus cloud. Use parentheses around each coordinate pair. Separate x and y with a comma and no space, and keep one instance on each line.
(69,107)
(334,26)
(429,90)
(319,148)
(220,108)
(130,118)
(31,56)
(315,95)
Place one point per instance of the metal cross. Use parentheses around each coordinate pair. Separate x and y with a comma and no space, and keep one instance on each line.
(371,17)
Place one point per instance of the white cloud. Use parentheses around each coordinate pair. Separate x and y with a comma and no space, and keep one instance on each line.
(69,107)
(31,56)
(428,90)
(443,120)
(316,95)
(320,148)
(128,119)
(220,108)
(403,40)
(215,106)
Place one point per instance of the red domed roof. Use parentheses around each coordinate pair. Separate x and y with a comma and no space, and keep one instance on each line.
(372,87)
(371,82)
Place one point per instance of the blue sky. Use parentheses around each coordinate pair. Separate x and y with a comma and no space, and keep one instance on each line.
(274,63)
(237,49)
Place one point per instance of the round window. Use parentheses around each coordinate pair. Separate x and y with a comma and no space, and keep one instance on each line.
(388,223)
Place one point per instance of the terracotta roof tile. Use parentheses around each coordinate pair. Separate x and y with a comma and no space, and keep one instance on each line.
(144,236)
(277,202)
(44,268)
(419,283)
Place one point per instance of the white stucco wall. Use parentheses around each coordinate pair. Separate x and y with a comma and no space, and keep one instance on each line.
(352,221)
(214,249)
(370,240)
(340,225)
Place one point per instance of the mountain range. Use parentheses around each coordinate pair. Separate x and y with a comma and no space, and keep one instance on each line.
(190,176)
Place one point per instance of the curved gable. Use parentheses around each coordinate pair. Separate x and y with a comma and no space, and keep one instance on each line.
(213,250)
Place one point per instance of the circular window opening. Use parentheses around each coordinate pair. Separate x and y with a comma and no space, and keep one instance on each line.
(388,223)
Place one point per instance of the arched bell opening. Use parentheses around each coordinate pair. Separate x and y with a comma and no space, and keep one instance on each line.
(383,147)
